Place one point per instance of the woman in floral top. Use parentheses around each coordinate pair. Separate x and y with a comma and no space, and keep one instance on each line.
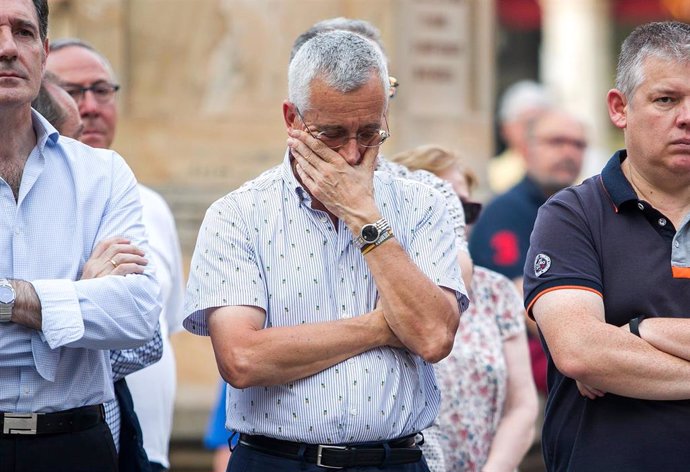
(489,404)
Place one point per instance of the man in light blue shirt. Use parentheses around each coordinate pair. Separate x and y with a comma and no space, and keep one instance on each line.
(328,289)
(58,198)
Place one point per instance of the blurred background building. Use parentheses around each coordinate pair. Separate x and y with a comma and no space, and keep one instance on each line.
(203,83)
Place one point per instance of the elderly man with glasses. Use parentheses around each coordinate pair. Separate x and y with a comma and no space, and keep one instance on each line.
(88,77)
(328,289)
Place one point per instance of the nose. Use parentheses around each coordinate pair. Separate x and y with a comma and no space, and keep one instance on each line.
(8,47)
(684,113)
(351,152)
(88,105)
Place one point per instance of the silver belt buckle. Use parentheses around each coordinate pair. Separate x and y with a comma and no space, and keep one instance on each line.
(319,452)
(19,423)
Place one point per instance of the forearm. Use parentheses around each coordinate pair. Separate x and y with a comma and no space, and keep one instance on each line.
(110,313)
(670,335)
(513,438)
(417,310)
(278,355)
(585,348)
(27,305)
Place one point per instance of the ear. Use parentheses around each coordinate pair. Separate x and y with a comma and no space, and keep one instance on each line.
(46,51)
(617,106)
(289,114)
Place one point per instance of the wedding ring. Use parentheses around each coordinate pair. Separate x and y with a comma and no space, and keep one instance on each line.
(113,263)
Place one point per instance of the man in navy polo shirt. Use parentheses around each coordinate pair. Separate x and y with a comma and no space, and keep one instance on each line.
(555,143)
(606,278)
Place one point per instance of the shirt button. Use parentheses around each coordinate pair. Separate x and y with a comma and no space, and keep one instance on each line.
(353,412)
(662,221)
(676,244)
(17,231)
(26,390)
(640,206)
(350,361)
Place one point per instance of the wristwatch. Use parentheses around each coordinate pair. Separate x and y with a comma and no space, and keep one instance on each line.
(7,297)
(371,233)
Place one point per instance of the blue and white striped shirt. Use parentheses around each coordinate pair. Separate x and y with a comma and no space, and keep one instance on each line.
(71,197)
(263,245)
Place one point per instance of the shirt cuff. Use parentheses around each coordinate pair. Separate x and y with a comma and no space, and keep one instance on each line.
(62,322)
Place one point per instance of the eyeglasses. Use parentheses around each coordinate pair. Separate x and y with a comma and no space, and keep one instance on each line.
(471,209)
(103,92)
(336,139)
(560,141)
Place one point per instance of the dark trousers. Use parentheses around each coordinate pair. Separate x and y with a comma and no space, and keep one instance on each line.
(246,459)
(82,451)
(133,457)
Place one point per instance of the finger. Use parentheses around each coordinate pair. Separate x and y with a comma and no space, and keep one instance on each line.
(306,179)
(131,259)
(307,144)
(128,268)
(370,157)
(115,250)
(101,247)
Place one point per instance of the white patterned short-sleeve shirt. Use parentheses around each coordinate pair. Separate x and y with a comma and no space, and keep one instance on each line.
(263,245)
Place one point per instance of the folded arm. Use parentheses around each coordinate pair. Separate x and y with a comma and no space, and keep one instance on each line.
(587,349)
(250,355)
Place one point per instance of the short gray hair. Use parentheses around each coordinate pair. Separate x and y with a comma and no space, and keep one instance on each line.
(63,43)
(665,39)
(361,27)
(345,61)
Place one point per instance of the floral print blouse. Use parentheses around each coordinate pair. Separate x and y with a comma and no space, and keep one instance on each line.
(473,377)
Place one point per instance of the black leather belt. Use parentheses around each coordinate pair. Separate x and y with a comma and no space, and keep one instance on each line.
(398,451)
(67,421)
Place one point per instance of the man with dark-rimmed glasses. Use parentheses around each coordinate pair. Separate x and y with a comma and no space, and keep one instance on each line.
(324,301)
(89,78)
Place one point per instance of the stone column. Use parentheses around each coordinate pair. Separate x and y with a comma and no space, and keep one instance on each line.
(576,65)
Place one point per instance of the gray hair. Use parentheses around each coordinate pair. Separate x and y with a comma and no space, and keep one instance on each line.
(361,27)
(523,96)
(666,40)
(63,43)
(345,61)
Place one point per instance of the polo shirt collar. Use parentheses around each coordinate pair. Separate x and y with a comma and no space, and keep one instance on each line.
(616,185)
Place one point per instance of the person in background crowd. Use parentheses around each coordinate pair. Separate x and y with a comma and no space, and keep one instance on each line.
(363,348)
(88,77)
(519,103)
(58,323)
(489,402)
(607,278)
(555,143)
(56,106)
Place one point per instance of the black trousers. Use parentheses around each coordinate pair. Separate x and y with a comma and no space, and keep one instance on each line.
(89,450)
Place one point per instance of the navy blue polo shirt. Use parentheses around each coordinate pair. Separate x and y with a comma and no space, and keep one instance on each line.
(500,238)
(598,236)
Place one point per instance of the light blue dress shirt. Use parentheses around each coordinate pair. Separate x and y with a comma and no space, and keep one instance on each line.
(263,245)
(71,197)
